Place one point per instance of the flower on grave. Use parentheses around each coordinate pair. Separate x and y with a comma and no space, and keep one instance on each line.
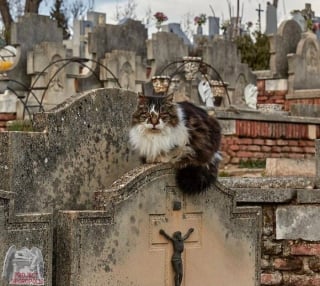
(225,25)
(160,17)
(200,20)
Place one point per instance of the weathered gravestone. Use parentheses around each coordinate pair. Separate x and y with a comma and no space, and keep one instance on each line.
(74,149)
(25,245)
(121,244)
(282,44)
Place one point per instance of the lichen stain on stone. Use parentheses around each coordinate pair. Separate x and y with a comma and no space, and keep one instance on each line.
(135,230)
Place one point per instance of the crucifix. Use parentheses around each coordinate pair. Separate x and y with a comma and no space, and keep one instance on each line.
(178,246)
(185,226)
(259,10)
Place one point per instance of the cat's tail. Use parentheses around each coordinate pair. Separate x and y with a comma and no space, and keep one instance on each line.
(198,179)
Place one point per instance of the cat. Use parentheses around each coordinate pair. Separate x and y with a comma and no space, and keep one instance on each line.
(179,133)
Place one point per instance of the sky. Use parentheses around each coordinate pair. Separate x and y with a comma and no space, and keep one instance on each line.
(176,10)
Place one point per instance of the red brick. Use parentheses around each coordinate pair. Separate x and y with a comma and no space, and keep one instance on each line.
(276,149)
(254,148)
(275,155)
(281,93)
(293,143)
(310,143)
(234,147)
(245,141)
(285,149)
(8,116)
(297,149)
(288,264)
(3,123)
(261,84)
(281,142)
(270,142)
(244,154)
(305,249)
(271,278)
(301,280)
(259,155)
(309,150)
(258,141)
(265,148)
(295,156)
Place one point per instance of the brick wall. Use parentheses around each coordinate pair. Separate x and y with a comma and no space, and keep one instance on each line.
(287,262)
(4,118)
(258,140)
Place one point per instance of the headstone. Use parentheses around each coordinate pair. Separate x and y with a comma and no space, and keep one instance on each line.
(223,249)
(297,16)
(30,30)
(214,26)
(304,65)
(80,146)
(164,48)
(25,245)
(271,18)
(228,69)
(126,67)
(175,28)
(48,67)
(283,43)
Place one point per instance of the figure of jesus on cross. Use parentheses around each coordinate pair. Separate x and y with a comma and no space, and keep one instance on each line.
(178,246)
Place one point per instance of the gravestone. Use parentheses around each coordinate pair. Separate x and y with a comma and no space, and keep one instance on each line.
(304,67)
(175,28)
(271,19)
(164,48)
(214,26)
(25,245)
(30,30)
(126,66)
(49,68)
(120,243)
(79,146)
(283,43)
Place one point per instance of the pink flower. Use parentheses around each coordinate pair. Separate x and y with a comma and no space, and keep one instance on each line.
(161,17)
(201,19)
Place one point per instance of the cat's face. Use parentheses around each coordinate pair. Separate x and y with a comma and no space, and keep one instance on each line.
(155,113)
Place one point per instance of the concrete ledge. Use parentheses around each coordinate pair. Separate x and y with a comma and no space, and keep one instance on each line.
(271,117)
(265,195)
(298,222)
(268,182)
(310,196)
(290,167)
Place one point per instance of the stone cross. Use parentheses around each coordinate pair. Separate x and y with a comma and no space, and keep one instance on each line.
(176,218)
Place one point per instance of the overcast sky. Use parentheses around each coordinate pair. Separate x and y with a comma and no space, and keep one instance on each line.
(177,9)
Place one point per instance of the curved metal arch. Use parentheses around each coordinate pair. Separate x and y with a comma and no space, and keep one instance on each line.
(80,61)
(201,63)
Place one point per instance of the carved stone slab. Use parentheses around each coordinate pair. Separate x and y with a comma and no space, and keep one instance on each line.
(25,245)
(121,244)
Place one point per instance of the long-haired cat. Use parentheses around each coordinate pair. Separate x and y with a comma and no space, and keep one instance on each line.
(179,133)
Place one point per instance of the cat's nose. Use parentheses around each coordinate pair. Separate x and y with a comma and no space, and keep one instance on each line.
(154,119)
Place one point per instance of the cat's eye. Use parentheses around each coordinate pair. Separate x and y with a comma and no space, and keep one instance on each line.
(164,115)
(143,117)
